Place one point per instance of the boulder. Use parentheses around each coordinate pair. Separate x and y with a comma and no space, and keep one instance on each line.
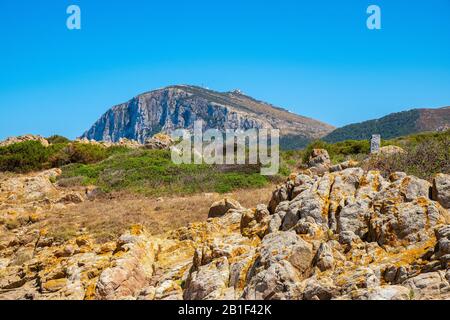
(319,157)
(280,281)
(441,189)
(159,141)
(391,150)
(405,223)
(319,289)
(255,222)
(131,270)
(319,161)
(429,286)
(379,293)
(209,282)
(221,207)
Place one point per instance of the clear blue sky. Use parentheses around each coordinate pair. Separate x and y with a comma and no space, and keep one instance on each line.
(315,58)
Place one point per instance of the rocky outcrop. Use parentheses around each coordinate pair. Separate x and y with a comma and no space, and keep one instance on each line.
(28,137)
(131,271)
(178,107)
(159,141)
(347,234)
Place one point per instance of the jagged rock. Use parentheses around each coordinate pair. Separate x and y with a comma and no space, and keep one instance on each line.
(344,165)
(159,141)
(319,289)
(319,161)
(255,222)
(208,282)
(406,223)
(441,189)
(302,256)
(354,218)
(283,257)
(426,286)
(305,205)
(361,278)
(319,157)
(379,293)
(280,281)
(274,223)
(221,207)
(347,234)
(281,194)
(442,250)
(122,142)
(54,285)
(131,272)
(324,259)
(28,188)
(168,290)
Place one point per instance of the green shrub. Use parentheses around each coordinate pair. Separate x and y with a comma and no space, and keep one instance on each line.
(338,151)
(152,172)
(23,157)
(57,139)
(77,153)
(425,157)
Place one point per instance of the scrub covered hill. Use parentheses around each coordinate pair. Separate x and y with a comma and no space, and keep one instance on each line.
(394,125)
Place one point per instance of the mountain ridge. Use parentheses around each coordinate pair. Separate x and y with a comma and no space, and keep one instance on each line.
(179,106)
(394,125)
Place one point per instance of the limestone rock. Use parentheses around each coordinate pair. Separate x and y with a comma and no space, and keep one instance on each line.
(391,150)
(280,281)
(429,286)
(159,141)
(319,161)
(130,272)
(319,157)
(221,207)
(255,222)
(346,234)
(319,289)
(324,259)
(28,137)
(208,282)
(179,106)
(379,293)
(441,189)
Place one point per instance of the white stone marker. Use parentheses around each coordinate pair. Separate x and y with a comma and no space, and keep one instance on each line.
(375,143)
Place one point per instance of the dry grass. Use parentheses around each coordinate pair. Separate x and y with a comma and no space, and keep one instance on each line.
(106,219)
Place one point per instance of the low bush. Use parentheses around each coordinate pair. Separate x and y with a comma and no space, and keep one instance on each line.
(23,157)
(152,172)
(338,151)
(425,156)
(57,139)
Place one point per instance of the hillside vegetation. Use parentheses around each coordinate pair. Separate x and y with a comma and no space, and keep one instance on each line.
(426,154)
(152,172)
(394,125)
(117,168)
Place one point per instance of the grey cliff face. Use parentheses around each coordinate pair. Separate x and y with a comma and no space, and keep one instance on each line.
(178,107)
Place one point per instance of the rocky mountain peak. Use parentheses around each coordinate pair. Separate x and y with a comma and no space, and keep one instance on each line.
(179,106)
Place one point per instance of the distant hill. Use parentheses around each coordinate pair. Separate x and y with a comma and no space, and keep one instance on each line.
(394,125)
(180,106)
